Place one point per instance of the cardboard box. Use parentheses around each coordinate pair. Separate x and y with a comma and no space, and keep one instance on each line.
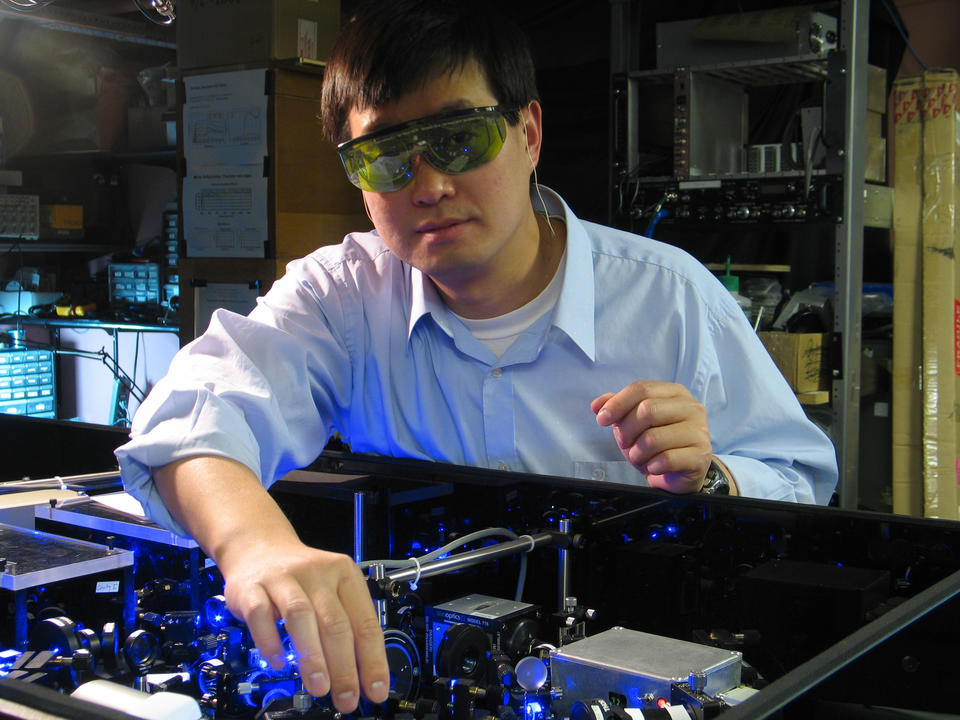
(314,203)
(907,416)
(875,163)
(803,358)
(212,33)
(940,278)
(876,89)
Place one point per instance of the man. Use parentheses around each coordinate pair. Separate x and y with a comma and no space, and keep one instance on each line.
(482,324)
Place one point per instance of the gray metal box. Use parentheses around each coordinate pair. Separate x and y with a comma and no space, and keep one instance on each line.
(638,666)
(717,126)
(759,35)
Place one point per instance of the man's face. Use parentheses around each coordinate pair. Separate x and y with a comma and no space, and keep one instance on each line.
(460,229)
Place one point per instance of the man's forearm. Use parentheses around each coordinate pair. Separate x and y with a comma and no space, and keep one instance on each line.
(222,504)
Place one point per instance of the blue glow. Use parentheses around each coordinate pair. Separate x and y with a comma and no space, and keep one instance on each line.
(672,530)
(291,657)
(532,710)
(416,545)
(654,535)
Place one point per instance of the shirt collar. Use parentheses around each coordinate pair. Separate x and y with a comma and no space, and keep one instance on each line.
(574,314)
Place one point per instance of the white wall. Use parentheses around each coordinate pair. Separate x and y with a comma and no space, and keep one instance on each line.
(86,384)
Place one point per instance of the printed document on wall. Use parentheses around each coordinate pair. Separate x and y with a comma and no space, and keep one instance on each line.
(224,146)
(225,212)
(225,118)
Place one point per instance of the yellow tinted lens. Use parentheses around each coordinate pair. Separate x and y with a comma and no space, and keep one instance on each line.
(383,161)
(465,144)
(379,166)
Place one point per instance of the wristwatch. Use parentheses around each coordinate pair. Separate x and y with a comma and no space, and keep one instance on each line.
(716,481)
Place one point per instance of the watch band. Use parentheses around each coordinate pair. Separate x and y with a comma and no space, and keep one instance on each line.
(716,481)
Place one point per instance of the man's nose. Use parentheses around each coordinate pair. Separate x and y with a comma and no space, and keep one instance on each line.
(429,184)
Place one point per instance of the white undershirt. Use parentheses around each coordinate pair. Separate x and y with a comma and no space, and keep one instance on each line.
(498,333)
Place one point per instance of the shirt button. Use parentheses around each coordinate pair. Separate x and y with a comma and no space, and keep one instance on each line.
(598,474)
(496,372)
(503,466)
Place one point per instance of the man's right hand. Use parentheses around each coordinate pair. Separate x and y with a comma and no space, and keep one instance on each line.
(270,575)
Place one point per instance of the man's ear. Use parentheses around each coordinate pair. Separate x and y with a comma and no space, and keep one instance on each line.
(532,121)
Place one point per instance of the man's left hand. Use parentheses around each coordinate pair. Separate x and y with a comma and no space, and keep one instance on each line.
(661,430)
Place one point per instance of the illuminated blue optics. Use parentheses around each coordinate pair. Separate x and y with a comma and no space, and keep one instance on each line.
(532,710)
(672,530)
(655,534)
(416,545)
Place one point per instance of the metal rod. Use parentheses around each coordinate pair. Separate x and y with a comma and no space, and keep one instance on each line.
(376,572)
(563,570)
(624,515)
(358,527)
(475,557)
(66,479)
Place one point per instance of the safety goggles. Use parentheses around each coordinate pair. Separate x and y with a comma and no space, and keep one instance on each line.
(452,142)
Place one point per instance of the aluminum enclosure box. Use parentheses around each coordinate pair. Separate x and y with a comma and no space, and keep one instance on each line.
(637,666)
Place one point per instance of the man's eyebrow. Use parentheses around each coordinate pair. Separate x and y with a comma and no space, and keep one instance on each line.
(378,125)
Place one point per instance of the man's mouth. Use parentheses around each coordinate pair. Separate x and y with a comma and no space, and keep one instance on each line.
(438,225)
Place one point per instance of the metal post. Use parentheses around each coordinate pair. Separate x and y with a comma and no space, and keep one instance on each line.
(854,38)
(358,527)
(563,570)
(378,572)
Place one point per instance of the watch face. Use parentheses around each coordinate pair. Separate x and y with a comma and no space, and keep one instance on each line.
(716,482)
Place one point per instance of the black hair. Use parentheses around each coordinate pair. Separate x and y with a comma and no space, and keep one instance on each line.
(392,47)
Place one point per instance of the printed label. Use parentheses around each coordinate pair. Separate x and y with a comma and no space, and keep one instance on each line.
(108,586)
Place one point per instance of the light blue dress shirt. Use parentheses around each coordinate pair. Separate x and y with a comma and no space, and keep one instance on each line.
(353,340)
